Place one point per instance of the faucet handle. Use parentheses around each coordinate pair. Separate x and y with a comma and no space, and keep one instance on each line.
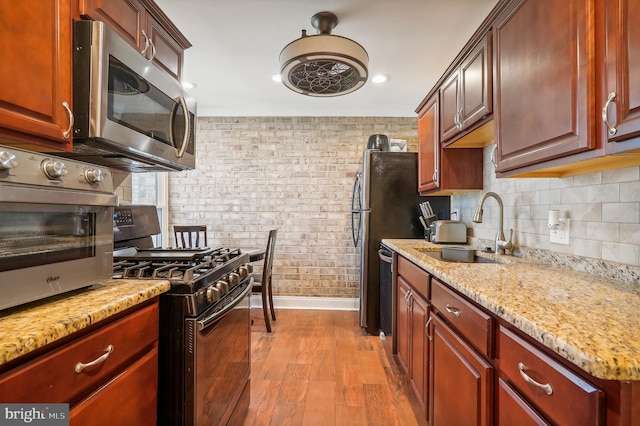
(508,244)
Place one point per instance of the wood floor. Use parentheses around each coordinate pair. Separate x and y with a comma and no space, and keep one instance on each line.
(318,368)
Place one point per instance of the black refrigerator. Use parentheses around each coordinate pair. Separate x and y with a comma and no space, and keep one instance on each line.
(384,204)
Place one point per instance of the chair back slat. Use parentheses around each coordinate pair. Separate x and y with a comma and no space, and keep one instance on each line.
(188,236)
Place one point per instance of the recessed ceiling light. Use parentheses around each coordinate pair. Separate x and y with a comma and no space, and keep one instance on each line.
(188,85)
(277,78)
(380,78)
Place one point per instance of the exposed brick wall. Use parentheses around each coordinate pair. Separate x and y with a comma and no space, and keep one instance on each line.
(291,173)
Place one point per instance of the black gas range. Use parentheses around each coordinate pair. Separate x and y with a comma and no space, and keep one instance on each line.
(204,337)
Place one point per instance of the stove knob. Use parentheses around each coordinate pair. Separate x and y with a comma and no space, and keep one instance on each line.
(249,267)
(7,160)
(213,294)
(234,279)
(94,175)
(243,272)
(54,169)
(223,286)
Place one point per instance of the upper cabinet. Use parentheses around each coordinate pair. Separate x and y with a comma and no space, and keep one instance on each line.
(35,78)
(444,171)
(466,94)
(621,88)
(566,87)
(544,81)
(36,90)
(145,27)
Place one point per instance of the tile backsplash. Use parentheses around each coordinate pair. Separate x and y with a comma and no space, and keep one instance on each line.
(604,209)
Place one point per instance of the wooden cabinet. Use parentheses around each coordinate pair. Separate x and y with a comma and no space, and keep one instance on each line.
(621,82)
(547,385)
(466,96)
(35,78)
(513,410)
(145,27)
(412,316)
(444,171)
(544,81)
(113,365)
(461,380)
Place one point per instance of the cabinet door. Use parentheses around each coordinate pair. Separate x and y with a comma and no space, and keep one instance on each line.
(167,53)
(428,147)
(621,68)
(450,107)
(461,381)
(35,76)
(513,410)
(403,328)
(419,347)
(544,81)
(127,17)
(476,83)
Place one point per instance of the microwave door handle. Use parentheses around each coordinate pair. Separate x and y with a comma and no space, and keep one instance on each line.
(185,139)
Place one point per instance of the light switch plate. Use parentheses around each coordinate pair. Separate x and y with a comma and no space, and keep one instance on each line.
(560,236)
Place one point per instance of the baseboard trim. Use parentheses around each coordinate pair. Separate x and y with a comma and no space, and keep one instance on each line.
(310,303)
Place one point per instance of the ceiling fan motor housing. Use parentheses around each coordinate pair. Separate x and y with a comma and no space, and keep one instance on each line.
(324,65)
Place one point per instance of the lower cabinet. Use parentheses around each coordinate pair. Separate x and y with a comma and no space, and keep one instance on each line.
(115,365)
(413,311)
(467,367)
(461,380)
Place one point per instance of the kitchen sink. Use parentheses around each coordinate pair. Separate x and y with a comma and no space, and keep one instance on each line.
(438,256)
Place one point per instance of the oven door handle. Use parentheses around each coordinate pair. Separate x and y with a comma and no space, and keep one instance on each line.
(204,323)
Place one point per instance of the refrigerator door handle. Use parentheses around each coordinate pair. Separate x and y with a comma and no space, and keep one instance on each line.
(356,209)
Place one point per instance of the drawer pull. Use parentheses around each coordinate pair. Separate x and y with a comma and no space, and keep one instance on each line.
(80,366)
(546,387)
(452,310)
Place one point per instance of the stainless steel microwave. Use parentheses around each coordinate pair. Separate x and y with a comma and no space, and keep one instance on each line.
(129,113)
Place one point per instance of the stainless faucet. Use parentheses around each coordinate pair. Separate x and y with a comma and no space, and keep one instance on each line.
(501,243)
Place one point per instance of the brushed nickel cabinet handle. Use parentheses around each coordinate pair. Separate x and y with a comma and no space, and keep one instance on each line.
(452,310)
(605,114)
(80,366)
(426,327)
(546,387)
(67,108)
(493,156)
(147,42)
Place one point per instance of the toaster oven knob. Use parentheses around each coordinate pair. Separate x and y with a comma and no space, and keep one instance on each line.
(234,279)
(243,272)
(213,294)
(7,160)
(223,286)
(54,169)
(93,175)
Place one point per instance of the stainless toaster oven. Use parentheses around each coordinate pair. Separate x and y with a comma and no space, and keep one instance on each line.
(56,225)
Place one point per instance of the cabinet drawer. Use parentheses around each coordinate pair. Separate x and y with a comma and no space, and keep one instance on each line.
(475,325)
(418,277)
(556,388)
(52,377)
(129,399)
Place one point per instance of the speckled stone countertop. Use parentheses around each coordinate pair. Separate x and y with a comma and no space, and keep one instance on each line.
(25,329)
(591,321)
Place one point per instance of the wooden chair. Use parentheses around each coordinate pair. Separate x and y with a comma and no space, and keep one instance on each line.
(262,281)
(192,234)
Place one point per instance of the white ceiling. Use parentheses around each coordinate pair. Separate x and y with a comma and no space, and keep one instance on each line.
(236,45)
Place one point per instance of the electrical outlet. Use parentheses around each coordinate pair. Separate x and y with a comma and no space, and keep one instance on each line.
(455,214)
(560,236)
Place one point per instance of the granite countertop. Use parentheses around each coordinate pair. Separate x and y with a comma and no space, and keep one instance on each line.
(591,321)
(25,329)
